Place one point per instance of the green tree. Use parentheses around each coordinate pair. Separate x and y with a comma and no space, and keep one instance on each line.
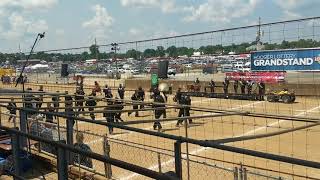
(160,51)
(149,53)
(94,51)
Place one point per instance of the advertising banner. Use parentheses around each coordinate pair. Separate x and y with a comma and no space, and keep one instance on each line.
(286,60)
(267,77)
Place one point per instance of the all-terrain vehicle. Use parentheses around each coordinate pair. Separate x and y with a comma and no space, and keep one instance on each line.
(281,96)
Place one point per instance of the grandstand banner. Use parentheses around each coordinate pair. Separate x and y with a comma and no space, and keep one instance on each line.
(286,60)
(267,77)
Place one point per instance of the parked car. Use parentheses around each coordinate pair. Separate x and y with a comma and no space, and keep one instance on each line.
(172,71)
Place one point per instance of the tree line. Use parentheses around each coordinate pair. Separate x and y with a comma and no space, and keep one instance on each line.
(159,51)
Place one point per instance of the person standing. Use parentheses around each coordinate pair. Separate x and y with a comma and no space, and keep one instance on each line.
(80,159)
(40,98)
(118,106)
(158,103)
(12,110)
(184,110)
(225,86)
(249,87)
(91,103)
(262,89)
(135,106)
(141,96)
(121,91)
(235,86)
(50,109)
(212,85)
(107,92)
(243,85)
(56,102)
(79,97)
(109,115)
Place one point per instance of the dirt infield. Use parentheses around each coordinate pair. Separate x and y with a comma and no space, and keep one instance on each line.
(144,150)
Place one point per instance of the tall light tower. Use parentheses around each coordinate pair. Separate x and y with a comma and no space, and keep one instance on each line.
(114,48)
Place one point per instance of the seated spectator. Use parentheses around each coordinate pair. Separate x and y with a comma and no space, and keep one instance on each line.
(36,126)
(79,159)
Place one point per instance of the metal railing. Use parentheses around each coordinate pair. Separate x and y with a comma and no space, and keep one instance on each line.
(19,143)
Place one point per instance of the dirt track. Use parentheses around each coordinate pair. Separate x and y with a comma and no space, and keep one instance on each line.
(301,144)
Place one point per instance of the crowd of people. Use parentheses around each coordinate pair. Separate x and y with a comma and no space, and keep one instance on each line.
(246,87)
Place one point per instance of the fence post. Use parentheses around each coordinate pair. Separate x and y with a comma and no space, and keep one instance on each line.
(62,164)
(178,158)
(15,153)
(236,173)
(70,123)
(244,173)
(106,151)
(23,127)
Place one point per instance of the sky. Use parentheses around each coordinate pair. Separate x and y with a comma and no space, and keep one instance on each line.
(76,23)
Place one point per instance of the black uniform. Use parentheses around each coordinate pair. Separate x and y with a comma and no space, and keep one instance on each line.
(91,103)
(69,112)
(107,93)
(158,112)
(79,100)
(121,92)
(177,97)
(40,99)
(110,116)
(119,106)
(225,86)
(29,103)
(49,117)
(243,85)
(249,87)
(262,89)
(141,96)
(134,97)
(68,100)
(212,86)
(12,109)
(235,86)
(184,111)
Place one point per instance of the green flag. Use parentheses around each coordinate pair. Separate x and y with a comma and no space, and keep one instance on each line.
(154,79)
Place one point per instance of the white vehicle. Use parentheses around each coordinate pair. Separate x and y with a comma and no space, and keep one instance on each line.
(147,69)
(134,71)
(227,68)
(172,71)
(188,65)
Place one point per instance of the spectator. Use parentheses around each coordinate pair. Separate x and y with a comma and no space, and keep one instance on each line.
(79,159)
(12,110)
(49,117)
(121,91)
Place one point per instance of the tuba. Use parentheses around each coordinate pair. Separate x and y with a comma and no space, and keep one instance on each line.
(163,87)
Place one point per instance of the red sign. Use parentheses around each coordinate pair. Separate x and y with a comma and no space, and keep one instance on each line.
(267,77)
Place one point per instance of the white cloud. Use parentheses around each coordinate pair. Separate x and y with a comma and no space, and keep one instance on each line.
(289,7)
(60,32)
(19,27)
(221,11)
(101,20)
(290,15)
(134,31)
(166,6)
(28,4)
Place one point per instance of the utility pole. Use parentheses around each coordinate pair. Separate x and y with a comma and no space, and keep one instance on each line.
(114,48)
(96,51)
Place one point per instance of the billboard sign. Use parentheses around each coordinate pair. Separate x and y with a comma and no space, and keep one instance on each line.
(266,77)
(286,60)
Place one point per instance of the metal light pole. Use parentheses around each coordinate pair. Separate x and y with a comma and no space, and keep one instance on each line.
(114,48)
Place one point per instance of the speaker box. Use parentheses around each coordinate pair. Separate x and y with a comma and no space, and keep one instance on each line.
(64,70)
(163,69)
